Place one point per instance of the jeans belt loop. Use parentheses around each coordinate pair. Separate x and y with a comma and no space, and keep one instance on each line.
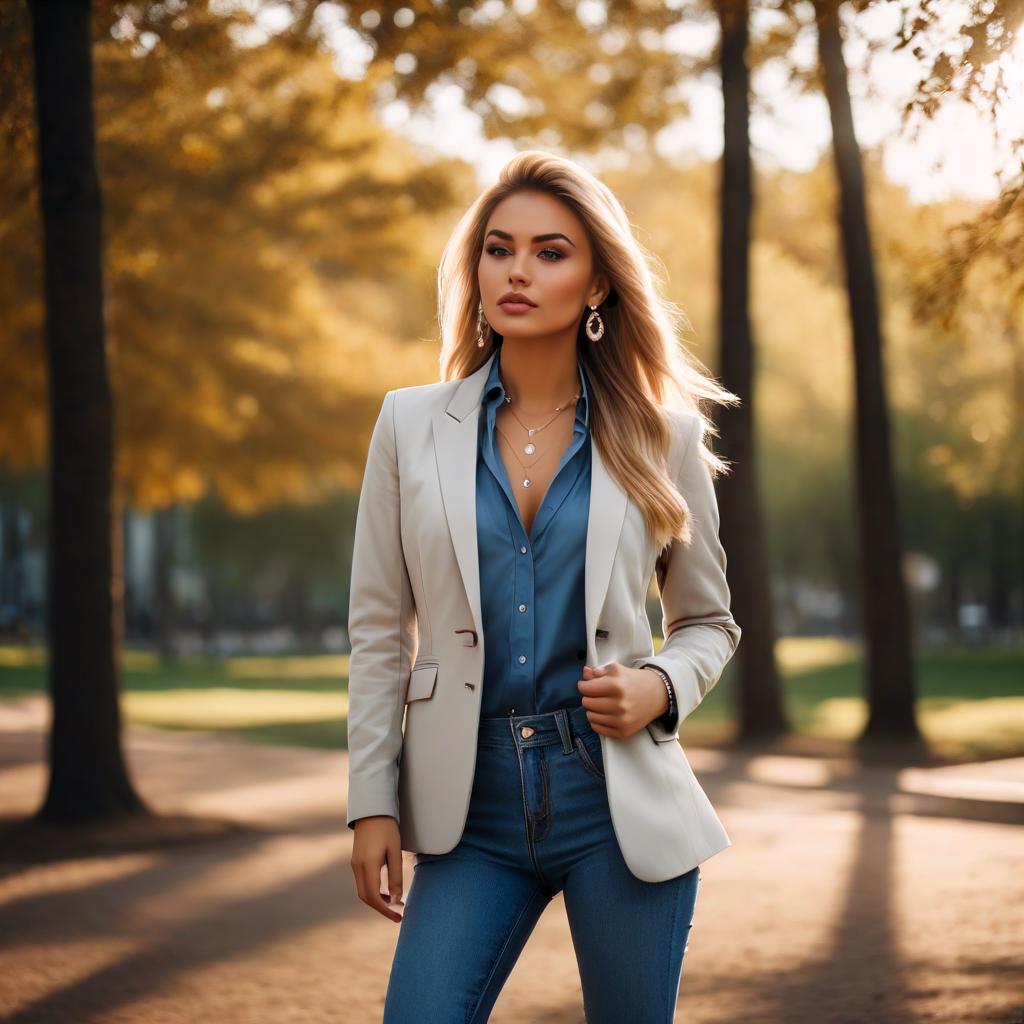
(562,720)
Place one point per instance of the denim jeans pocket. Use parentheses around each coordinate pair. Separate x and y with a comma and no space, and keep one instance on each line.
(588,746)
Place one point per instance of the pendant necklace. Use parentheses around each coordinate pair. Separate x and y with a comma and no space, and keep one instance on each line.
(525,467)
(530,448)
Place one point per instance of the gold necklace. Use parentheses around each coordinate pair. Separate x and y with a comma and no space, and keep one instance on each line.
(529,448)
(527,482)
(525,468)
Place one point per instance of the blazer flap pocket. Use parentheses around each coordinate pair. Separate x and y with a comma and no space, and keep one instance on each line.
(421,681)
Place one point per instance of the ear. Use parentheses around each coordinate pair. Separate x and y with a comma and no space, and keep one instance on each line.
(599,289)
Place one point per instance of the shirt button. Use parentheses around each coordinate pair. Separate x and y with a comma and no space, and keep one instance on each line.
(523,550)
(522,607)
(522,658)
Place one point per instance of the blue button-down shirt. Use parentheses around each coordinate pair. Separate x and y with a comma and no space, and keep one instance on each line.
(532,585)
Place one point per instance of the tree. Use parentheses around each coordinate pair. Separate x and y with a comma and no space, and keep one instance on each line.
(88,775)
(760,708)
(883,592)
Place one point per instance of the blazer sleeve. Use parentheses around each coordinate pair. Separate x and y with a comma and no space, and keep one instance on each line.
(382,631)
(700,632)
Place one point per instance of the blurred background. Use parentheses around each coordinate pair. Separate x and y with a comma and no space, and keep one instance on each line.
(220,224)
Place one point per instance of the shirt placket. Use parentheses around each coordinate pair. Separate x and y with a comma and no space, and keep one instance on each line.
(522,685)
(521,698)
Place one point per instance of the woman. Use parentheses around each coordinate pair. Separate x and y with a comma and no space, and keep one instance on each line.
(509,722)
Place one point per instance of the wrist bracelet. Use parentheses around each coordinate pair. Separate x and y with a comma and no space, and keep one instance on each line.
(668,687)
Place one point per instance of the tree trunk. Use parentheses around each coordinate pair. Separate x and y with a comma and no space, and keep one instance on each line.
(883,596)
(954,594)
(12,570)
(760,708)
(88,776)
(1001,550)
(165,618)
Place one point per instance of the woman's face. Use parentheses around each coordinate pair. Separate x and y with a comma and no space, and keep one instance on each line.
(535,245)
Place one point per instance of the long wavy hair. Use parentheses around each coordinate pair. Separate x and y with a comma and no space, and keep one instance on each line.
(636,374)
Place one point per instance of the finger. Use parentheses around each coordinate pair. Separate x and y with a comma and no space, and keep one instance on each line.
(372,896)
(608,722)
(357,870)
(383,890)
(604,705)
(598,687)
(395,873)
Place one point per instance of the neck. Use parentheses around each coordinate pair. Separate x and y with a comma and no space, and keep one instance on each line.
(539,376)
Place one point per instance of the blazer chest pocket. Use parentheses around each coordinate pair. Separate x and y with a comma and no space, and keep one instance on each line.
(422,680)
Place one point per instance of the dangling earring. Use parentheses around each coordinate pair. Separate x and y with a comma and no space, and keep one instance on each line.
(481,326)
(597,332)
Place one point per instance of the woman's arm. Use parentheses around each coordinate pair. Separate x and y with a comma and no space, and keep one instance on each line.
(382,631)
(700,632)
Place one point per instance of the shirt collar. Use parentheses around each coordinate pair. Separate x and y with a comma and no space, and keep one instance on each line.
(494,390)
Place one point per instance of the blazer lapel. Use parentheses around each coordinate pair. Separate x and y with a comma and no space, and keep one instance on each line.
(455,447)
(608,503)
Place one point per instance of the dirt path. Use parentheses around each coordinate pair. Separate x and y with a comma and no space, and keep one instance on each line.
(842,900)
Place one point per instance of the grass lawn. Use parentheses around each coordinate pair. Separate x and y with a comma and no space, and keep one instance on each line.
(971,702)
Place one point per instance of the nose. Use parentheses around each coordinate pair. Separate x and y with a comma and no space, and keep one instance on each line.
(517,272)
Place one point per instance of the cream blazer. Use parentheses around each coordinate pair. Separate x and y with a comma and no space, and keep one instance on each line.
(417,661)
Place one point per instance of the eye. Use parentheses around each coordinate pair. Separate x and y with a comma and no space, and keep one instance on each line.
(494,250)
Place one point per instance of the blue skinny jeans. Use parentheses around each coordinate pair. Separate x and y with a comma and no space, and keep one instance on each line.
(538,825)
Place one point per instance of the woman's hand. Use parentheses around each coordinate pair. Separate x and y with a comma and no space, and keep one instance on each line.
(378,842)
(621,701)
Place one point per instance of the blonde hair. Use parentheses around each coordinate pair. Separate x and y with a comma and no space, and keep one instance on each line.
(638,369)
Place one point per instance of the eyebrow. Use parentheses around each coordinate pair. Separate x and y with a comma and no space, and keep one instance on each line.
(536,238)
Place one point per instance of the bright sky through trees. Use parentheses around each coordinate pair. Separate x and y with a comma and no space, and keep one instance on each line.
(957,153)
